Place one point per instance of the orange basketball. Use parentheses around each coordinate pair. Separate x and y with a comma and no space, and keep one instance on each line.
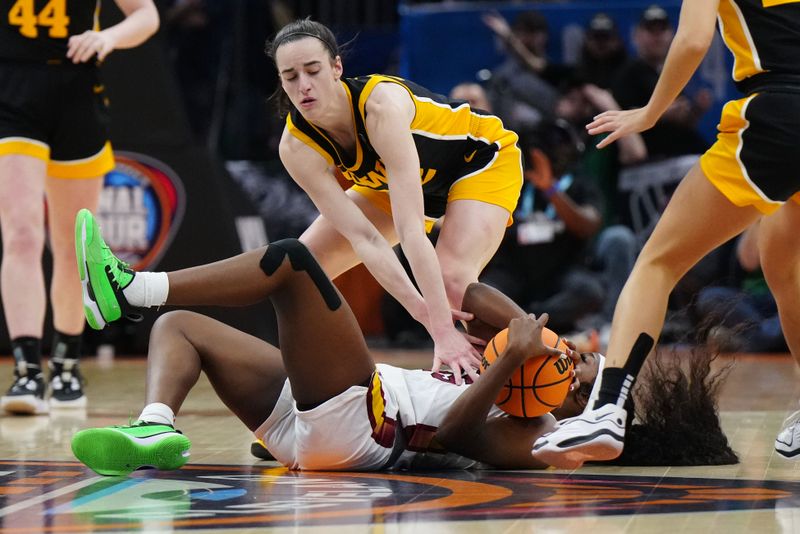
(539,385)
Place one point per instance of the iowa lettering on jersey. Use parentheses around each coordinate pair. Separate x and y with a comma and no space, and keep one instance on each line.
(376,178)
(52,16)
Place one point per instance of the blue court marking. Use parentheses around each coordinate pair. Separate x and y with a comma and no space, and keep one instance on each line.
(67,507)
(220,495)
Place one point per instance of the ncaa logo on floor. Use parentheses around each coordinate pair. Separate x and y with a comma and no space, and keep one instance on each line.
(141,208)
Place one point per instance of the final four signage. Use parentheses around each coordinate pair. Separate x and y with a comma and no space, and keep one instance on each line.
(141,208)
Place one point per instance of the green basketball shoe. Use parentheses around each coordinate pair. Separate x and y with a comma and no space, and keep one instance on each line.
(103,275)
(119,450)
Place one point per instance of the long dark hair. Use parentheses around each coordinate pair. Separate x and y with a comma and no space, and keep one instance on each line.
(677,420)
(294,31)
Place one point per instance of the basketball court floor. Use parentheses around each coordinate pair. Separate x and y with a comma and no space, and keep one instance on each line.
(223,488)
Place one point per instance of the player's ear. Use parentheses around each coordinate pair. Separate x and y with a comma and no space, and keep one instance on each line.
(338,69)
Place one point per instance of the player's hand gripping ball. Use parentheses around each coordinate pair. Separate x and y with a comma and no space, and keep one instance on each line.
(539,385)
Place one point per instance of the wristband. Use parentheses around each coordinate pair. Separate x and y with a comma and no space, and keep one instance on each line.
(550,191)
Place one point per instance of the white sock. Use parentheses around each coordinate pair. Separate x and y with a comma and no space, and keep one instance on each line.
(147,289)
(157,412)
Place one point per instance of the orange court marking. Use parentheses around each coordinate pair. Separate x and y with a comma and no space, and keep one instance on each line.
(465,494)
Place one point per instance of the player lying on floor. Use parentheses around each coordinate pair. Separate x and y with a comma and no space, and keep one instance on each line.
(320,402)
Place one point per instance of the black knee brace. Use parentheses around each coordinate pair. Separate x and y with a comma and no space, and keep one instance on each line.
(301,260)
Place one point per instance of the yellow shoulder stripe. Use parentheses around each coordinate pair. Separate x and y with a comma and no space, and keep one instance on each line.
(374,80)
(295,131)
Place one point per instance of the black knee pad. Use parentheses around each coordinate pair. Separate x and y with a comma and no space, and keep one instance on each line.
(301,260)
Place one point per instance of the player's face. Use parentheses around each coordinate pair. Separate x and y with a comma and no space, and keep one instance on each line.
(586,369)
(308,74)
(586,372)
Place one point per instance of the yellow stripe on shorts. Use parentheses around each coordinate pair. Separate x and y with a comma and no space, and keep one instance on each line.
(22,146)
(91,167)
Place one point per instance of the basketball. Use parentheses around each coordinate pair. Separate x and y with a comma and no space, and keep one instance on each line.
(539,385)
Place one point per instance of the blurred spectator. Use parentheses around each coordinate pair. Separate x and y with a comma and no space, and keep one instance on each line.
(578,103)
(744,315)
(603,53)
(196,30)
(545,263)
(523,88)
(673,144)
(676,132)
(472,93)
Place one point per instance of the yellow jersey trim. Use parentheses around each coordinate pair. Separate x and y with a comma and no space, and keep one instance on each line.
(295,131)
(738,39)
(461,124)
(359,154)
(374,80)
(91,167)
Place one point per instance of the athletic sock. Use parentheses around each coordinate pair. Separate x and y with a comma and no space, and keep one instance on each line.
(615,387)
(65,353)
(157,412)
(616,384)
(147,289)
(27,353)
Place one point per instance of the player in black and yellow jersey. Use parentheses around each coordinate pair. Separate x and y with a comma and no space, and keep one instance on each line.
(751,172)
(53,143)
(413,157)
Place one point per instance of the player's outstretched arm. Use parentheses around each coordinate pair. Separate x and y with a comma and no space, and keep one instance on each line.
(140,23)
(695,31)
(389,114)
(313,174)
(503,442)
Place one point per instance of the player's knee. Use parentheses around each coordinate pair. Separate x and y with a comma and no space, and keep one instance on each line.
(172,323)
(782,276)
(663,265)
(24,241)
(300,259)
(298,254)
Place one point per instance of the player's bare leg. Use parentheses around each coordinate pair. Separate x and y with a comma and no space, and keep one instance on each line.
(323,353)
(21,278)
(780,261)
(470,235)
(332,250)
(65,197)
(675,246)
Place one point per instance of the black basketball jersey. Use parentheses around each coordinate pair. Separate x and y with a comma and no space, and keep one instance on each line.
(763,35)
(38,30)
(452,140)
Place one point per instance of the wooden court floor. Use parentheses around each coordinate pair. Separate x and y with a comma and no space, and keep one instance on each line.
(223,488)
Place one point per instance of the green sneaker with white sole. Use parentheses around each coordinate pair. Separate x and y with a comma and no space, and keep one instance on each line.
(103,275)
(120,450)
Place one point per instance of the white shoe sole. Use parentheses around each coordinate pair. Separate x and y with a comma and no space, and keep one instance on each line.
(78,403)
(23,405)
(599,449)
